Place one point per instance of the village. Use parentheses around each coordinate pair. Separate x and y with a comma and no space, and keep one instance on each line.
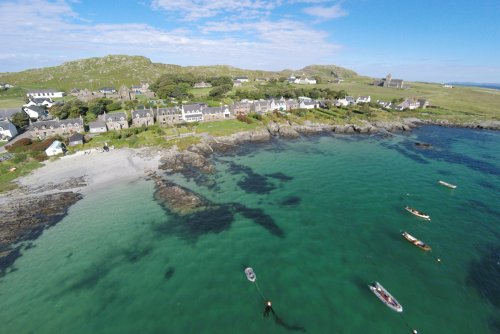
(42,124)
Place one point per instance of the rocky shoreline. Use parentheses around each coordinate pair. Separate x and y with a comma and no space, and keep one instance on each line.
(27,211)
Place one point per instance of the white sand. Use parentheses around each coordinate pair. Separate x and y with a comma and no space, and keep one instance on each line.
(99,169)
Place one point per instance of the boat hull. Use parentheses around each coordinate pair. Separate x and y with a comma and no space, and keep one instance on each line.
(418,243)
(446,184)
(418,213)
(385,297)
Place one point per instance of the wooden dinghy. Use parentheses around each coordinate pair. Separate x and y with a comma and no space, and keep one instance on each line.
(420,244)
(385,297)
(417,213)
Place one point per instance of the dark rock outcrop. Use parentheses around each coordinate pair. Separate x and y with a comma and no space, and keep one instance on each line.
(26,218)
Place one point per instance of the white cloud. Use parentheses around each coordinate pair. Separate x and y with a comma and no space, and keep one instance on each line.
(198,9)
(40,33)
(327,13)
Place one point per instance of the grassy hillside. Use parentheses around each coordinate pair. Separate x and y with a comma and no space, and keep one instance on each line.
(458,103)
(117,70)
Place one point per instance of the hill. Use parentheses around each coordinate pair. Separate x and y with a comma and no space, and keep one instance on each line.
(118,70)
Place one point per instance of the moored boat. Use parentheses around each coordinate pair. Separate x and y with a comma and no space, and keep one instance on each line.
(417,213)
(385,297)
(420,244)
(250,274)
(446,184)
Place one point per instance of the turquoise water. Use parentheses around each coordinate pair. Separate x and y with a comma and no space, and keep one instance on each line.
(329,212)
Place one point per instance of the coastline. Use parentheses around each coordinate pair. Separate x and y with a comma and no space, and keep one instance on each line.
(65,181)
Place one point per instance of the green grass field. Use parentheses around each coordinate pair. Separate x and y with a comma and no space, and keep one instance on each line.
(226,127)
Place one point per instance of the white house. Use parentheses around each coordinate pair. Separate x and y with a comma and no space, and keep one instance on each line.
(44,93)
(408,104)
(35,112)
(241,79)
(308,104)
(305,81)
(364,99)
(192,113)
(43,101)
(278,104)
(107,90)
(342,103)
(55,148)
(7,130)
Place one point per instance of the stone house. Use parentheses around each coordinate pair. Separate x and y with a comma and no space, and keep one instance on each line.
(44,129)
(261,107)
(115,121)
(215,113)
(388,81)
(97,127)
(169,116)
(241,108)
(75,139)
(142,117)
(291,104)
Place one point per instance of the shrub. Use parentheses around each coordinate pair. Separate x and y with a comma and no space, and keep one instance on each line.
(40,157)
(19,157)
(244,118)
(42,145)
(255,116)
(20,143)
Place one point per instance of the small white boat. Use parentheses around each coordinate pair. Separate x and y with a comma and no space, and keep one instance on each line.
(250,274)
(417,213)
(385,297)
(446,184)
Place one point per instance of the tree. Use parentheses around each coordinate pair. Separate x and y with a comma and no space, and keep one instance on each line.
(20,119)
(219,81)
(219,91)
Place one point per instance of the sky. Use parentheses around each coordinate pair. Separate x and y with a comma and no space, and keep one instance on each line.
(417,40)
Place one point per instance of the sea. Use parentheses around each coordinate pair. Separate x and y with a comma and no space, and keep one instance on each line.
(317,218)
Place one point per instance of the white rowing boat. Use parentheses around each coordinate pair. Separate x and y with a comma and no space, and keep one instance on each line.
(417,213)
(385,297)
(420,244)
(446,184)
(250,274)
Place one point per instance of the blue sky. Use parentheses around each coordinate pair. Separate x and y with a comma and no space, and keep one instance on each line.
(426,40)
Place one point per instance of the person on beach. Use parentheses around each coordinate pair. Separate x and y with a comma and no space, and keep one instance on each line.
(268,308)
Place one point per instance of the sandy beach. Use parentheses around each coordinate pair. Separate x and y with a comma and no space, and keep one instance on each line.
(98,169)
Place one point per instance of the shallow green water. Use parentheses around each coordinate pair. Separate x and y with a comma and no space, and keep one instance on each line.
(118,263)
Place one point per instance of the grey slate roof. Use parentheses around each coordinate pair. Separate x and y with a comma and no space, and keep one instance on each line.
(115,117)
(212,110)
(96,125)
(40,110)
(192,107)
(76,137)
(5,124)
(168,111)
(38,91)
(57,123)
(8,112)
(142,113)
